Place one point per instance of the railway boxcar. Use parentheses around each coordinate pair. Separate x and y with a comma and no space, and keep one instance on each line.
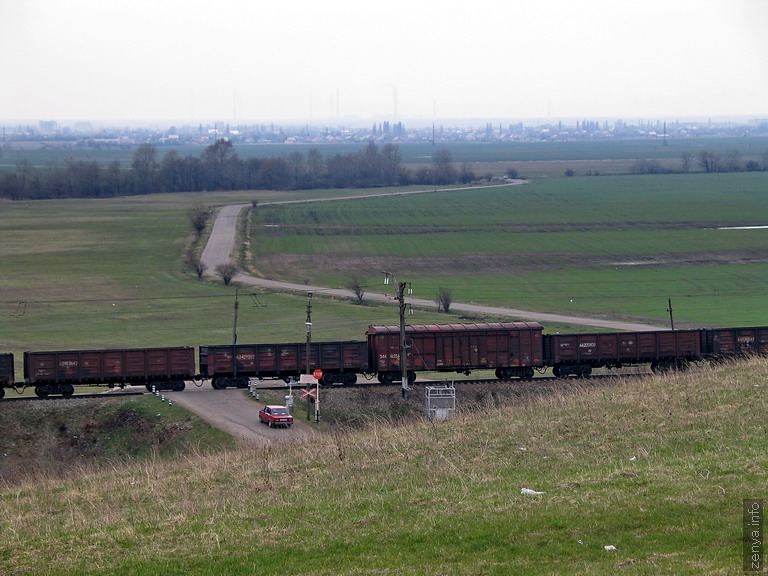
(7,374)
(731,342)
(234,365)
(578,354)
(59,372)
(512,349)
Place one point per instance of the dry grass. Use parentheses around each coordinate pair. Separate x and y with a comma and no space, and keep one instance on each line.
(656,467)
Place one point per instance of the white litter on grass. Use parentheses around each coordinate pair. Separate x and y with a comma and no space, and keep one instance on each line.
(633,458)
(529,492)
(610,548)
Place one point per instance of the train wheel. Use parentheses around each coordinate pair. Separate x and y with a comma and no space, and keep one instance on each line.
(411,377)
(526,374)
(583,371)
(42,391)
(387,378)
(505,374)
(67,390)
(179,385)
(350,378)
(2,393)
(556,371)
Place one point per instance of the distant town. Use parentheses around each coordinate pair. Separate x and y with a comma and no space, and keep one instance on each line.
(50,133)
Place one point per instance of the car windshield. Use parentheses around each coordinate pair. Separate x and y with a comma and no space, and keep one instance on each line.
(280,411)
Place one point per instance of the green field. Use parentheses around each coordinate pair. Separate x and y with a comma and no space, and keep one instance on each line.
(110,273)
(614,246)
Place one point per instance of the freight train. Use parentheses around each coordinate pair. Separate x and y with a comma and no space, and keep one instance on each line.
(514,350)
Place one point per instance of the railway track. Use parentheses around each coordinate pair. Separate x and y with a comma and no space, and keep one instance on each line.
(372,384)
(73,397)
(478,381)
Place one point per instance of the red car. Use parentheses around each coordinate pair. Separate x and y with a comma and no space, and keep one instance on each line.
(275,416)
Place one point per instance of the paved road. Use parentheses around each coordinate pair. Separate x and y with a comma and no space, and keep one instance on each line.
(234,412)
(221,243)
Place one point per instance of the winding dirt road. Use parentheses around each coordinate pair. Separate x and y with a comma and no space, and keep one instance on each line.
(221,244)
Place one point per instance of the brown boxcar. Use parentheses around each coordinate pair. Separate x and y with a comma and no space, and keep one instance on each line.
(578,354)
(230,365)
(729,342)
(513,349)
(57,372)
(7,374)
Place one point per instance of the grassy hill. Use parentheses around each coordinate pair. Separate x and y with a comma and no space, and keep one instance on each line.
(656,467)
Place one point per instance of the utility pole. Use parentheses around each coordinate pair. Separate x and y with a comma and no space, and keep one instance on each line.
(308,324)
(234,337)
(671,319)
(234,324)
(401,288)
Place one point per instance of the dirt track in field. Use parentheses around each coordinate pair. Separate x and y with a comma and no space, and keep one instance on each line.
(221,244)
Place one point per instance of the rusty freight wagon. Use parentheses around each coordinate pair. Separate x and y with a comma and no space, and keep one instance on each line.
(58,372)
(512,349)
(7,377)
(578,354)
(722,343)
(233,365)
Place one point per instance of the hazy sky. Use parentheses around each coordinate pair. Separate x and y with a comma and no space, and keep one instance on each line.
(193,60)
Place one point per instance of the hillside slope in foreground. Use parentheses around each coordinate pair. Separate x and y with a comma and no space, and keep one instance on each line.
(657,468)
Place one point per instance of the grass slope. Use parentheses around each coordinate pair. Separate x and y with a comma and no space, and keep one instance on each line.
(656,467)
(61,438)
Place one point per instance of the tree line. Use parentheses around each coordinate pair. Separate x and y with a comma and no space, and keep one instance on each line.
(710,161)
(218,167)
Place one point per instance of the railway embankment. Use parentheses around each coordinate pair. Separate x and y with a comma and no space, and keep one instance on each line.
(649,476)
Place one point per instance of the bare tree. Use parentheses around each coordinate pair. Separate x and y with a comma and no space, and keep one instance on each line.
(143,168)
(710,161)
(357,286)
(444,171)
(198,266)
(227,272)
(198,217)
(686,158)
(732,161)
(444,299)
